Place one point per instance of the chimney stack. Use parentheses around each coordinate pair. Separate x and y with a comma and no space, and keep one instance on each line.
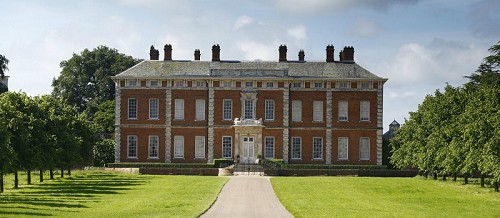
(216,52)
(301,55)
(154,54)
(168,52)
(282,51)
(330,52)
(347,54)
(197,54)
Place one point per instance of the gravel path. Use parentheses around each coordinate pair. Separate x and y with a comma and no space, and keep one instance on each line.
(247,196)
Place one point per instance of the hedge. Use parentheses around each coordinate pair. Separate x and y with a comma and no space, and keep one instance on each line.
(161,165)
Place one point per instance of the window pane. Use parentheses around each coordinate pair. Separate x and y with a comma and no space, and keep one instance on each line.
(297,111)
(317,148)
(269,84)
(179,109)
(153,146)
(199,147)
(248,109)
(269,110)
(132,108)
(365,110)
(343,148)
(269,147)
(200,109)
(343,111)
(153,108)
(364,148)
(296,148)
(226,147)
(227,113)
(132,146)
(178,146)
(318,111)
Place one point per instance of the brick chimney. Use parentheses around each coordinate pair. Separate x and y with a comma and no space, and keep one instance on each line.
(168,52)
(216,52)
(330,52)
(154,54)
(341,58)
(282,51)
(302,54)
(347,54)
(197,54)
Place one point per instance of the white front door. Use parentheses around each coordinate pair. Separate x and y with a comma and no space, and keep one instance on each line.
(247,150)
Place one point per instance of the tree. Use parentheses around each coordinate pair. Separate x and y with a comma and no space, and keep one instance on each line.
(104,118)
(7,155)
(85,78)
(104,152)
(3,66)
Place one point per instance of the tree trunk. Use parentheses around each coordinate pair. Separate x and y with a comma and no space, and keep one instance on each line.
(444,177)
(426,174)
(435,175)
(496,186)
(16,179)
(62,172)
(41,175)
(51,174)
(28,172)
(69,171)
(482,181)
(466,179)
(454,177)
(1,182)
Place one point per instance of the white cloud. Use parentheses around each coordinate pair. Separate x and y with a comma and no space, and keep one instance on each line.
(365,27)
(298,35)
(313,6)
(254,50)
(242,21)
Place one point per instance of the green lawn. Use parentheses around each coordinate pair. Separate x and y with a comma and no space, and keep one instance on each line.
(108,194)
(381,197)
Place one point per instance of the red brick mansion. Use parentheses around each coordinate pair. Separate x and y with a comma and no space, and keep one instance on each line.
(320,112)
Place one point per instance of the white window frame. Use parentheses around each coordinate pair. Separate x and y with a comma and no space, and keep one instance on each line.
(364,110)
(179,109)
(199,147)
(132,143)
(227,109)
(269,109)
(317,143)
(365,85)
(132,82)
(179,83)
(269,85)
(200,109)
(297,111)
(150,83)
(248,109)
(227,150)
(153,146)
(227,83)
(343,144)
(270,144)
(294,147)
(132,112)
(249,84)
(178,147)
(154,104)
(318,111)
(364,144)
(317,85)
(297,85)
(343,111)
(200,83)
(344,85)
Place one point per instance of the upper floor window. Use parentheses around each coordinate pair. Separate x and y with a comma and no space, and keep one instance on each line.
(365,85)
(344,85)
(132,108)
(269,109)
(318,85)
(227,83)
(269,84)
(248,84)
(296,111)
(132,82)
(227,109)
(153,83)
(248,109)
(179,83)
(179,109)
(200,109)
(343,111)
(297,85)
(364,108)
(153,108)
(318,111)
(200,84)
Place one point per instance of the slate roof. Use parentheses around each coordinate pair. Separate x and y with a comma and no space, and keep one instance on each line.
(163,69)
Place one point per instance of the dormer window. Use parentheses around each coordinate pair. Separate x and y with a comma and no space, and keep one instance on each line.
(344,85)
(248,84)
(269,84)
(200,84)
(227,83)
(318,85)
(153,83)
(297,85)
(179,83)
(132,82)
(365,85)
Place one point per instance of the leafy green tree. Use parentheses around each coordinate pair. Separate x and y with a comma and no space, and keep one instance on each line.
(85,78)
(3,66)
(489,70)
(104,152)
(104,118)
(7,155)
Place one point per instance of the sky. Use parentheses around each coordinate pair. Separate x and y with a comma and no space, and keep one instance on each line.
(419,45)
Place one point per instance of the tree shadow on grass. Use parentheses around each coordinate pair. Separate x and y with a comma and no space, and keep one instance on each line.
(65,194)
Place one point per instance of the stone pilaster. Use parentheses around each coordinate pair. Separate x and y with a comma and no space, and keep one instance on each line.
(286,123)
(211,99)
(328,140)
(118,109)
(168,125)
(380,109)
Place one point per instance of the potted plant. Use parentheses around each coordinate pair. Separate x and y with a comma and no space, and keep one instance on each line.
(237,158)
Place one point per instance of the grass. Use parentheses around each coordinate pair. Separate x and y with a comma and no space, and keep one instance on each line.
(383,197)
(111,194)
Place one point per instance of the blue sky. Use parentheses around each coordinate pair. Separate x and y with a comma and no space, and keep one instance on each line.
(419,45)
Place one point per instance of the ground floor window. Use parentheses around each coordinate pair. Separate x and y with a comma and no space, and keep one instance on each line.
(153,146)
(132,146)
(199,149)
(296,148)
(178,146)
(269,143)
(227,143)
(364,148)
(343,148)
(317,148)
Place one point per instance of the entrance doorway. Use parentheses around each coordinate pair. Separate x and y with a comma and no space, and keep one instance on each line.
(247,154)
